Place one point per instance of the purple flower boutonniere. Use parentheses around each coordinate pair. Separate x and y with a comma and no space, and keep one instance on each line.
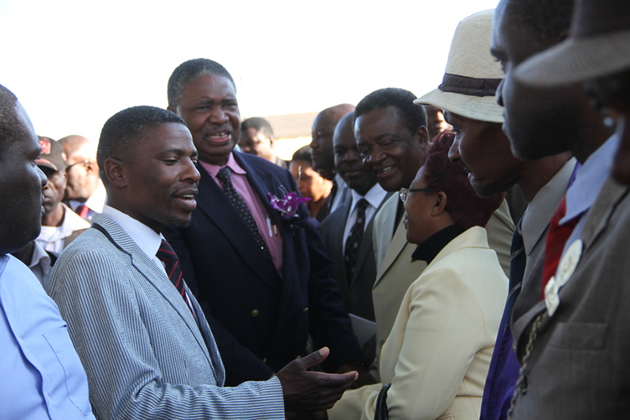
(288,205)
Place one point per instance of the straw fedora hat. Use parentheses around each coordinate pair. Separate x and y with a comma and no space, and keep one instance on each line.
(598,45)
(472,75)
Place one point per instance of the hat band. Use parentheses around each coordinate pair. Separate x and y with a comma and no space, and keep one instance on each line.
(470,86)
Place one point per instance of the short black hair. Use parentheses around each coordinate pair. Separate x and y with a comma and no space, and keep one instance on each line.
(125,129)
(545,18)
(189,71)
(10,126)
(304,154)
(412,115)
(258,124)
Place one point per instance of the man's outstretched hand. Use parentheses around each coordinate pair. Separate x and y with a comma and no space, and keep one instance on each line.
(306,390)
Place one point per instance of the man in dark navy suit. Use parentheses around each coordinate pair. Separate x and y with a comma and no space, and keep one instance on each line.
(261,274)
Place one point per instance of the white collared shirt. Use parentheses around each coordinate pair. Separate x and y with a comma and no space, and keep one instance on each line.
(53,238)
(374,197)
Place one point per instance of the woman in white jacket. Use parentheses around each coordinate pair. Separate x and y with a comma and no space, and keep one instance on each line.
(438,353)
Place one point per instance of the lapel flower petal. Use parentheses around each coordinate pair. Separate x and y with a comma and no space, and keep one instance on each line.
(288,205)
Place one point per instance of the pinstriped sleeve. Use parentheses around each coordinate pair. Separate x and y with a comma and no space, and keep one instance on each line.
(141,363)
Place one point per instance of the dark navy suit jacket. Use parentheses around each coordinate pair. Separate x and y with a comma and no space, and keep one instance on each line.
(260,320)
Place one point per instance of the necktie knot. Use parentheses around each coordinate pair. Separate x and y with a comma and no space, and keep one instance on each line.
(166,253)
(362,206)
(557,237)
(224,176)
(83,211)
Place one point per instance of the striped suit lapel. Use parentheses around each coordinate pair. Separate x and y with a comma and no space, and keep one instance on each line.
(156,277)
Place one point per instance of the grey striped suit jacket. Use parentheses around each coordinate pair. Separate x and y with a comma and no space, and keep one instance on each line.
(143,352)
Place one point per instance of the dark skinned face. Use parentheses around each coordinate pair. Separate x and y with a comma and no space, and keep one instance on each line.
(538,122)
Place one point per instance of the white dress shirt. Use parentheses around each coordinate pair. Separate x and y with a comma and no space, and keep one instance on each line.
(374,197)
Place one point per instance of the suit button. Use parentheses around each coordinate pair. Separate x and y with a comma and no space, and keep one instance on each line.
(304,309)
(264,360)
(255,313)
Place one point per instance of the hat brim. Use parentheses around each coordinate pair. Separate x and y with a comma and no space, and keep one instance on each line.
(46,164)
(482,108)
(576,60)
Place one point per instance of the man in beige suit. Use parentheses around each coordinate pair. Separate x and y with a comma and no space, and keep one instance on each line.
(391,135)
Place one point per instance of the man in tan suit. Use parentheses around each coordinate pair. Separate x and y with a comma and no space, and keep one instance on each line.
(391,136)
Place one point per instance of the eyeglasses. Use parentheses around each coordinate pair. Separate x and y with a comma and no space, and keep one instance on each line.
(406,192)
(83,162)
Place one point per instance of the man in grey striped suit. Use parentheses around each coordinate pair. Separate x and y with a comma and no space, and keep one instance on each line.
(141,335)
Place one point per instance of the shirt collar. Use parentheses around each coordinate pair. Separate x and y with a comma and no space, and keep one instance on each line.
(231,163)
(374,197)
(339,180)
(40,256)
(145,237)
(544,203)
(589,179)
(428,250)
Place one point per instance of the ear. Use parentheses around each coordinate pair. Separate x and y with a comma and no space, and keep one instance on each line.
(115,172)
(440,204)
(422,135)
(91,166)
(172,109)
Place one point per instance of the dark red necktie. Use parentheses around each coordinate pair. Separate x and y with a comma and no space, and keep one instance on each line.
(556,239)
(82,210)
(167,255)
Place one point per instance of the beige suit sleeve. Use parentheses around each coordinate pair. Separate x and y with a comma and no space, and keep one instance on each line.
(500,229)
(440,328)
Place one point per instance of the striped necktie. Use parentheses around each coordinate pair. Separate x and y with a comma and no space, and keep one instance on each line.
(83,211)
(167,255)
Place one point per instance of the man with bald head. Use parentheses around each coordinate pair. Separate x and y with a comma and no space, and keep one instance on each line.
(347,232)
(43,374)
(322,150)
(85,193)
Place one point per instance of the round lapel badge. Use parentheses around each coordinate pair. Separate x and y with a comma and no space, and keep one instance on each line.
(569,263)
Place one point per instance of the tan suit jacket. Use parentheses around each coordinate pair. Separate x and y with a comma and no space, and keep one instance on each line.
(438,353)
(396,271)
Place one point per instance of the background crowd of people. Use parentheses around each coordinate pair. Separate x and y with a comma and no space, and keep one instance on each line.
(459,254)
